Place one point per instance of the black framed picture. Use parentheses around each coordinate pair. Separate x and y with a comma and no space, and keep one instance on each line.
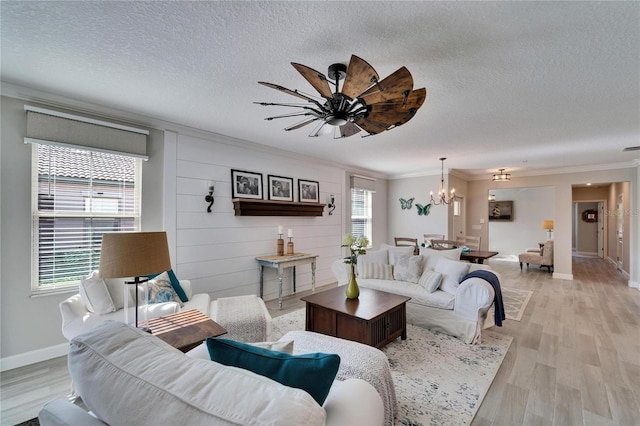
(501,210)
(308,191)
(280,188)
(246,184)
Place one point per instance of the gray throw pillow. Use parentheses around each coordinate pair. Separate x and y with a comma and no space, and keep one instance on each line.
(408,268)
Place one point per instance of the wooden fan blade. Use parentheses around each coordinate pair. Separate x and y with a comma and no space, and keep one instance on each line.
(360,76)
(316,79)
(396,112)
(370,126)
(301,124)
(349,129)
(290,92)
(391,87)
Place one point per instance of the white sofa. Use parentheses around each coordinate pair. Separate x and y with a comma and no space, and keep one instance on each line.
(126,376)
(458,310)
(77,318)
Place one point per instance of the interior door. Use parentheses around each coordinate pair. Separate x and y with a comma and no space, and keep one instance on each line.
(620,232)
(458,218)
(601,229)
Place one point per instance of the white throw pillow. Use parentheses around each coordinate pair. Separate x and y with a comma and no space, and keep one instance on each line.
(116,287)
(95,295)
(430,280)
(452,272)
(434,255)
(377,256)
(396,252)
(376,270)
(408,268)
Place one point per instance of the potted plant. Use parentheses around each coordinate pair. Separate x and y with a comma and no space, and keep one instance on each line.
(357,247)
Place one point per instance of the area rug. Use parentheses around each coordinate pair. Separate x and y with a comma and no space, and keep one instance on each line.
(438,379)
(515,301)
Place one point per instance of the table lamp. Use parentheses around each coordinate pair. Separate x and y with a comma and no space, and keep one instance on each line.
(134,255)
(548,225)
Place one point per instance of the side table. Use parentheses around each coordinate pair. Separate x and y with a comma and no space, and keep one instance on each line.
(184,330)
(287,261)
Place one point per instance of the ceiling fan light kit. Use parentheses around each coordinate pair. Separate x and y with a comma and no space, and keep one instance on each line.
(362,103)
(501,177)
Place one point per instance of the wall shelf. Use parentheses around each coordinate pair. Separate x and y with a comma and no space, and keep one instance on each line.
(251,207)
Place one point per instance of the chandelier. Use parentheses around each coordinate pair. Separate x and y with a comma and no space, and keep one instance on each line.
(442,194)
(501,177)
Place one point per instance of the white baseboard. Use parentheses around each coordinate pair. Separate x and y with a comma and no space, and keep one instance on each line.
(563,276)
(634,284)
(27,358)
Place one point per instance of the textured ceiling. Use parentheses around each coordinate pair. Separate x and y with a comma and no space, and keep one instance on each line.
(518,85)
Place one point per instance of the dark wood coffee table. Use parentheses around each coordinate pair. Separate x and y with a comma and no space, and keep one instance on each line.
(184,330)
(375,318)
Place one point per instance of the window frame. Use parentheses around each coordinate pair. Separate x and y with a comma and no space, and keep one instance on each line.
(367,217)
(37,214)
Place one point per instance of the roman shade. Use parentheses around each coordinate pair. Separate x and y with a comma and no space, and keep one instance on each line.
(47,127)
(363,182)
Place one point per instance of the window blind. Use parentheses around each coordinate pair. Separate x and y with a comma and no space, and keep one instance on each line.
(77,196)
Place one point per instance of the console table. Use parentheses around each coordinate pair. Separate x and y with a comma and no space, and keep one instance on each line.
(287,261)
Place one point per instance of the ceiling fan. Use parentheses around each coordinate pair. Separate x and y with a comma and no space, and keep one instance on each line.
(364,102)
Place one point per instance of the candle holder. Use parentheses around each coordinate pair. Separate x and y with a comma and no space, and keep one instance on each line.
(280,245)
(290,247)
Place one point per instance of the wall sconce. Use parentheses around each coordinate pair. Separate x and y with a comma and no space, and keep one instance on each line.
(331,204)
(209,198)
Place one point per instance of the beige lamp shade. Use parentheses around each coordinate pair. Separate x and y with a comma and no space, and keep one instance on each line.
(134,254)
(547,224)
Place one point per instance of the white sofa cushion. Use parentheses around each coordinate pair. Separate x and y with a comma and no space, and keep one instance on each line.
(408,268)
(452,272)
(437,299)
(95,295)
(114,367)
(432,256)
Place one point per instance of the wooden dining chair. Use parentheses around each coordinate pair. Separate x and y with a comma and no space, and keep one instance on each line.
(407,242)
(469,241)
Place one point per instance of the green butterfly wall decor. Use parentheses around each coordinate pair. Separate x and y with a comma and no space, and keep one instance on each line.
(423,210)
(406,204)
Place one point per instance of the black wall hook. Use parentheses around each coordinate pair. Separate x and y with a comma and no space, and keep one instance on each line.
(209,199)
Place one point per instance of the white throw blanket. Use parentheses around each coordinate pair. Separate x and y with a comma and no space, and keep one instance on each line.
(243,317)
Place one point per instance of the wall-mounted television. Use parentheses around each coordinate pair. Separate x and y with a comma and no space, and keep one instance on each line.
(501,210)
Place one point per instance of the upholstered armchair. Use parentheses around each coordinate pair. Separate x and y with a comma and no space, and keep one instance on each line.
(542,257)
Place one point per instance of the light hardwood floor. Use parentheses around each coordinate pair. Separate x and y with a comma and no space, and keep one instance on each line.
(574,360)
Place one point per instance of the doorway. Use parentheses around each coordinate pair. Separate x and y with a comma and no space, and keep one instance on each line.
(588,228)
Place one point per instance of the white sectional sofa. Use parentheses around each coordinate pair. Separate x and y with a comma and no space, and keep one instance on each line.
(441,304)
(126,376)
(101,300)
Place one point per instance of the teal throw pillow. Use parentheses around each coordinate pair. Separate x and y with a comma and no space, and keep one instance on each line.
(313,373)
(174,283)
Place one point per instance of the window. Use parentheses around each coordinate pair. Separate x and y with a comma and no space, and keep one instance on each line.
(361,213)
(77,195)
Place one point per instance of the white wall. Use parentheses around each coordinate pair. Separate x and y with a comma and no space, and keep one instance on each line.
(407,222)
(217,250)
(530,207)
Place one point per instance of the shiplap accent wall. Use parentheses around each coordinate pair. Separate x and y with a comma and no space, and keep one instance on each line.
(217,250)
